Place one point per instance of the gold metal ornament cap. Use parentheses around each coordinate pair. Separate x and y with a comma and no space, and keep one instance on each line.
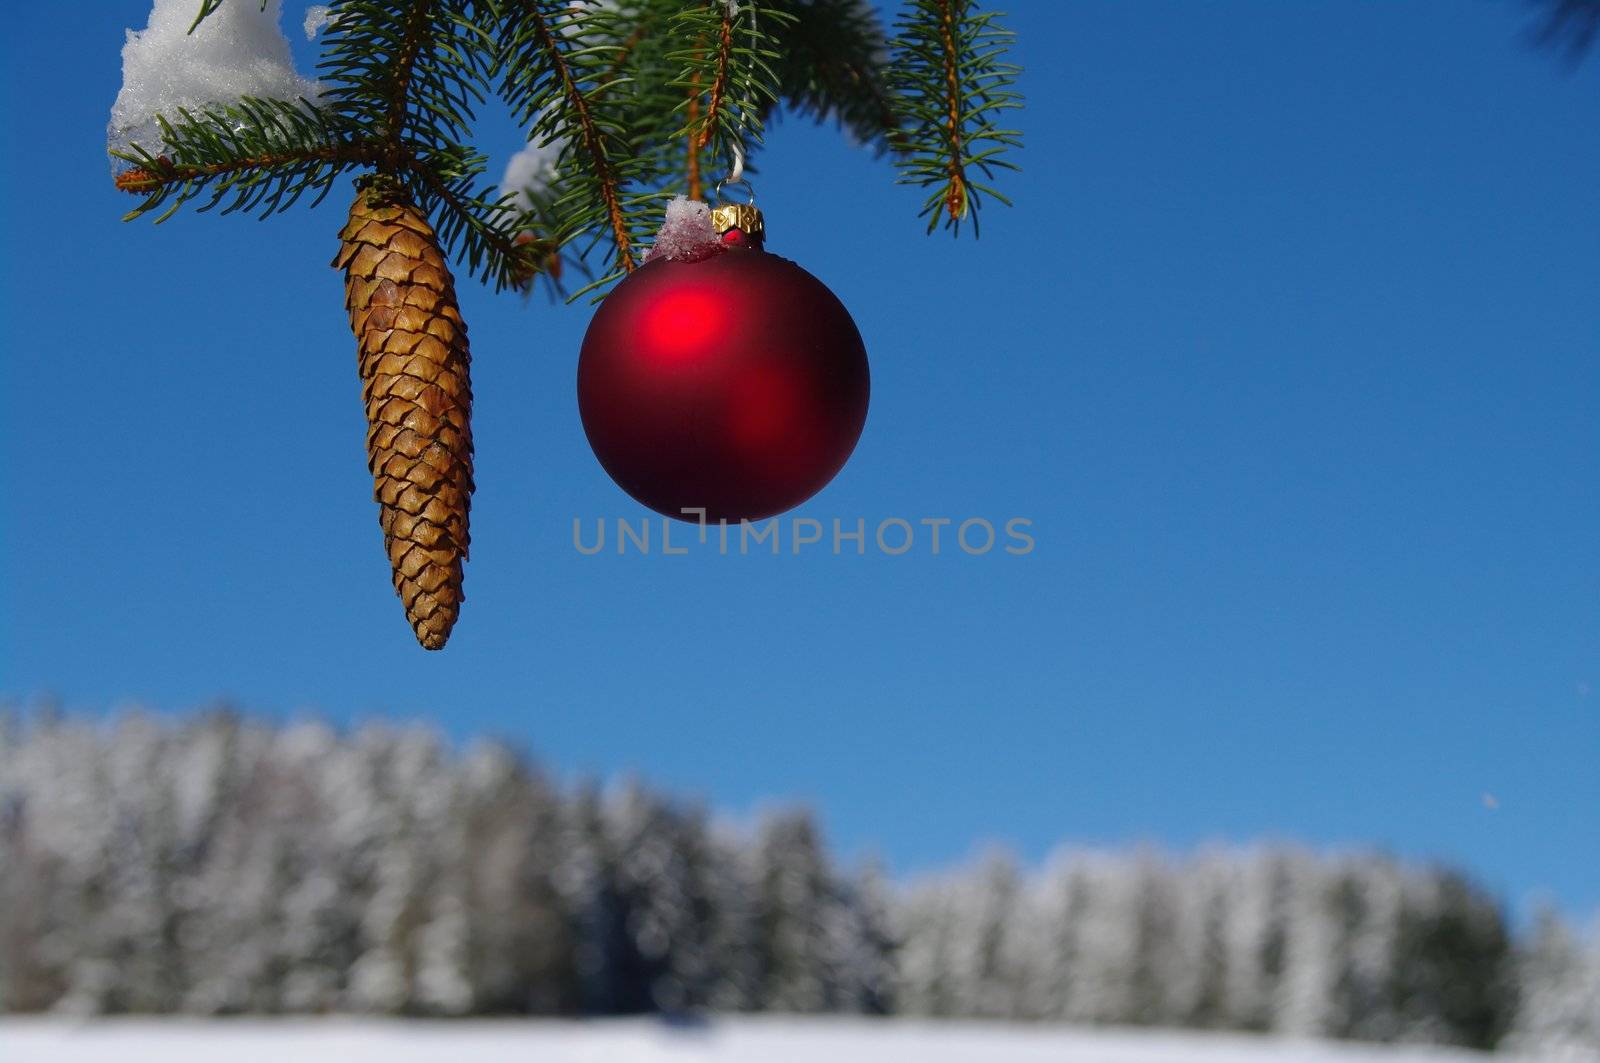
(742,216)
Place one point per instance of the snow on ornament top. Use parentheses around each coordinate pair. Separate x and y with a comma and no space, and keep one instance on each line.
(238,51)
(687,234)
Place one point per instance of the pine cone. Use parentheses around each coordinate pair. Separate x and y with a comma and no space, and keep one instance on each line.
(412,346)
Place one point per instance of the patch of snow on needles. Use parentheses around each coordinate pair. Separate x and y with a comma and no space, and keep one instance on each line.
(238,51)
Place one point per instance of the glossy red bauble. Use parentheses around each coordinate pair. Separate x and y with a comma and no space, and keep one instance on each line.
(736,384)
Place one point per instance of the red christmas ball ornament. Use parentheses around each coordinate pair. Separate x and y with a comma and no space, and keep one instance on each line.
(720,377)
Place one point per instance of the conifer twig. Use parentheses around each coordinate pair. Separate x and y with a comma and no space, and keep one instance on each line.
(955,197)
(266,153)
(141,179)
(728,41)
(403,65)
(719,84)
(588,134)
(692,145)
(951,83)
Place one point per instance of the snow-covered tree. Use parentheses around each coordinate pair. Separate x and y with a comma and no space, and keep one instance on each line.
(794,895)
(1454,968)
(521,939)
(217,865)
(1560,984)
(984,971)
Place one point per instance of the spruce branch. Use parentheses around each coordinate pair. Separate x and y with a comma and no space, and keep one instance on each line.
(726,73)
(719,84)
(636,94)
(951,84)
(411,69)
(563,78)
(265,154)
(694,145)
(402,65)
(645,99)
(479,228)
(625,50)
(400,77)
(833,64)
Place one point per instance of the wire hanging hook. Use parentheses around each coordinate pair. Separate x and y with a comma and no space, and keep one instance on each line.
(736,148)
(735,178)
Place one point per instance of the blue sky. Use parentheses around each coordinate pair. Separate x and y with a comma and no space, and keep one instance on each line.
(1290,351)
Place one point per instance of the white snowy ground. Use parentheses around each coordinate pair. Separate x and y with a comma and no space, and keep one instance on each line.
(642,1041)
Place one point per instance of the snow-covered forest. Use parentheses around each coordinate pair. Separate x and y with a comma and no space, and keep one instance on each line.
(219,865)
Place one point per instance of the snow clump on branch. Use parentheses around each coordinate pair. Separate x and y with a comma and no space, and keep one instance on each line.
(531,172)
(318,17)
(238,51)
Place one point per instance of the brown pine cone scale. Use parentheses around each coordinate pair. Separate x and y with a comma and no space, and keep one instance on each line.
(411,347)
